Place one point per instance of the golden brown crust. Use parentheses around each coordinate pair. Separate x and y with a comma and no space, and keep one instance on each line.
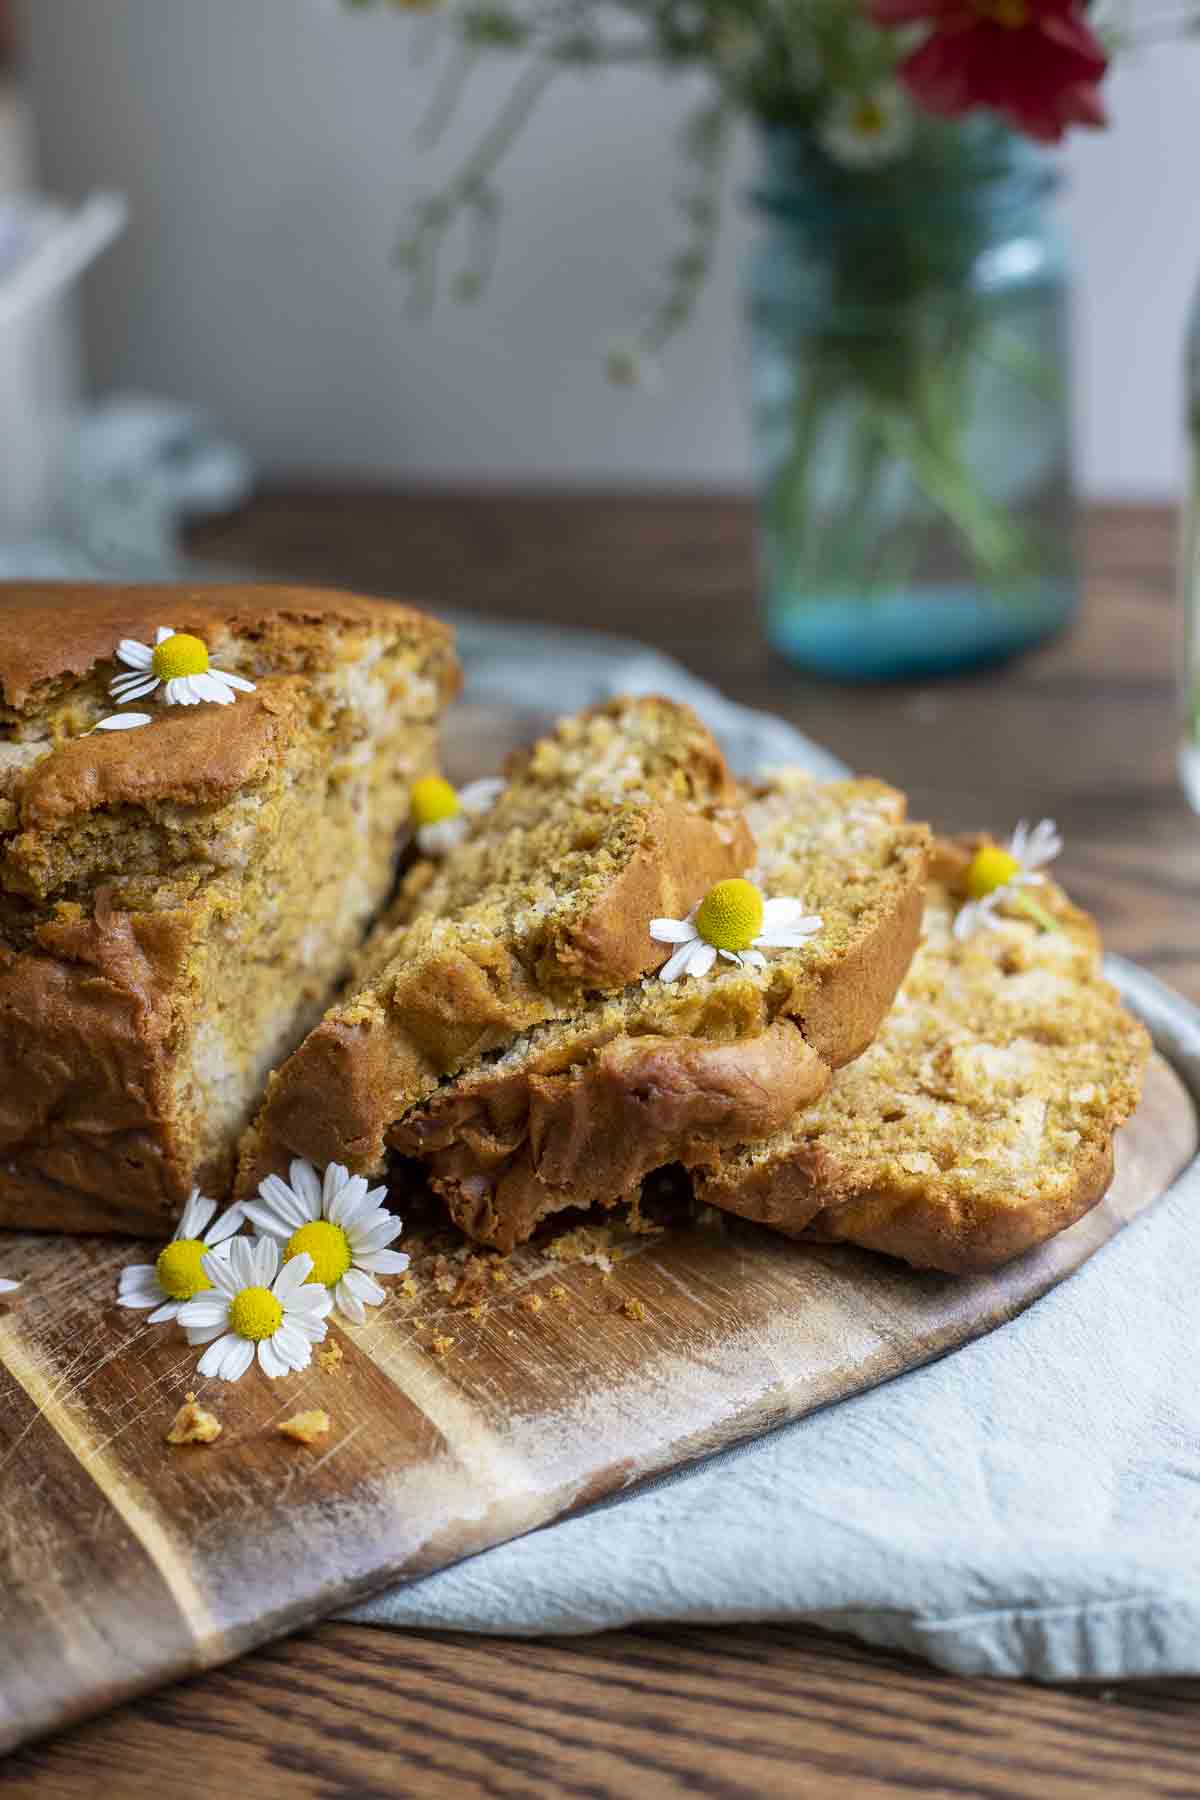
(85,1101)
(193,755)
(970,1238)
(528,1144)
(54,630)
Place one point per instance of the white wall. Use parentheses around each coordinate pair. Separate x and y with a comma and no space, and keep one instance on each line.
(266,146)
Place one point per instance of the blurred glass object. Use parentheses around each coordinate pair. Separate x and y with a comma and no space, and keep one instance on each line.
(907,349)
(44,249)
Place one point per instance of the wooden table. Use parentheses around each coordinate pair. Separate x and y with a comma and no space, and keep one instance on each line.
(1085,730)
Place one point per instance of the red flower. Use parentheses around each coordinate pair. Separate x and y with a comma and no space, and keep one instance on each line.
(1035,61)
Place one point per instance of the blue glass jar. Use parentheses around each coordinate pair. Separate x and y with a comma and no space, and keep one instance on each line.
(907,340)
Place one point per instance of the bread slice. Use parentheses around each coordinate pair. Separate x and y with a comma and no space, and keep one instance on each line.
(623,813)
(178,902)
(981,1120)
(580,1109)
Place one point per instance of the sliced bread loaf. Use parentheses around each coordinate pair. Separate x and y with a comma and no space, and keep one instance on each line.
(981,1120)
(624,812)
(579,1109)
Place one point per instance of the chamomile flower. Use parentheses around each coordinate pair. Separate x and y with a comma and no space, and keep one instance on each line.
(735,922)
(8,1287)
(178,1275)
(998,873)
(256,1308)
(442,814)
(178,664)
(866,130)
(339,1223)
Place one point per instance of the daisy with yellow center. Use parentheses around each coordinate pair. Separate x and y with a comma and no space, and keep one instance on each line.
(339,1224)
(999,874)
(442,815)
(735,922)
(258,1309)
(178,1275)
(178,663)
(866,130)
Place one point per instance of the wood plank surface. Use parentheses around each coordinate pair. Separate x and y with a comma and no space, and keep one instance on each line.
(1088,724)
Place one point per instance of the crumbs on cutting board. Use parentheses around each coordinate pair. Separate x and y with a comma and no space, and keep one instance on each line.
(531,1303)
(633,1309)
(306,1427)
(441,1345)
(331,1357)
(194,1424)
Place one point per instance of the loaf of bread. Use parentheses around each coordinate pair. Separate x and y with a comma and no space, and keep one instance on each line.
(179,901)
(623,813)
(579,1109)
(981,1120)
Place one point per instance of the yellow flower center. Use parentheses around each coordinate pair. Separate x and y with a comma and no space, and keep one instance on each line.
(730,915)
(433,799)
(990,869)
(328,1246)
(178,1269)
(180,655)
(255,1313)
(1012,14)
(869,118)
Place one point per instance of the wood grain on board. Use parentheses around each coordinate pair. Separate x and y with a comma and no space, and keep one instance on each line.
(126,1563)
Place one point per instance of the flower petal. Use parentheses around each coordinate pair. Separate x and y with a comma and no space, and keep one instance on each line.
(292,1275)
(701,958)
(231,1220)
(163,633)
(236,681)
(220,1269)
(133,654)
(270,1361)
(383,1262)
(677,965)
(239,1273)
(276,1193)
(130,721)
(442,836)
(236,1361)
(208,686)
(214,1356)
(363,1287)
(265,1255)
(178,692)
(204,1334)
(162,1314)
(480,796)
(195,1216)
(781,912)
(673,931)
(349,1304)
(306,1185)
(203,1311)
(266,1222)
(131,687)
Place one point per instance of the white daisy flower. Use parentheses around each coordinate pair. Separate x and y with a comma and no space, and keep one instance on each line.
(735,922)
(178,1274)
(998,873)
(256,1307)
(178,664)
(339,1223)
(121,722)
(443,814)
(8,1287)
(867,130)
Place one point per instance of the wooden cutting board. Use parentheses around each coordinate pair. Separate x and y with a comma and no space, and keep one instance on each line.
(125,1563)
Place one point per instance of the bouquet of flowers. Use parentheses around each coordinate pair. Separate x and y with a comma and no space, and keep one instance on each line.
(911,321)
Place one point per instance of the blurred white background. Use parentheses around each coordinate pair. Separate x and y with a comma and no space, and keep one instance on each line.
(267,150)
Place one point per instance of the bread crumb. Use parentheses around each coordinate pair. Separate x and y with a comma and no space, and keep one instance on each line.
(441,1345)
(633,1309)
(306,1427)
(586,1244)
(408,1287)
(193,1424)
(532,1303)
(498,1275)
(478,1311)
(558,1292)
(330,1357)
(445,1284)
